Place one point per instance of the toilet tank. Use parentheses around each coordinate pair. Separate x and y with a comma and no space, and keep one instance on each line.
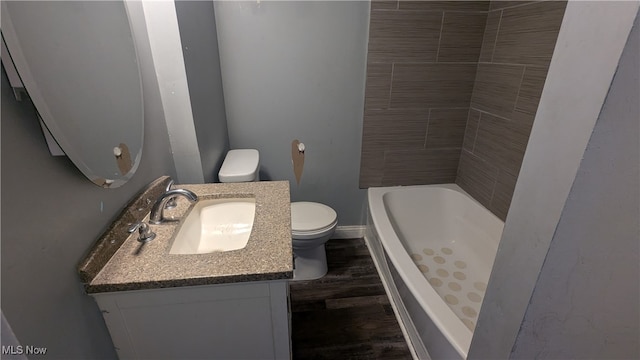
(240,165)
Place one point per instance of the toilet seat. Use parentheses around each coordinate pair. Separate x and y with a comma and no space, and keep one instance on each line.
(315,234)
(309,219)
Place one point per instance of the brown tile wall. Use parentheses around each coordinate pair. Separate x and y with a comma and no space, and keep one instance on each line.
(452,91)
(518,42)
(422,62)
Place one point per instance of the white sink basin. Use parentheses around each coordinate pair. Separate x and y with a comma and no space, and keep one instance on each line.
(216,225)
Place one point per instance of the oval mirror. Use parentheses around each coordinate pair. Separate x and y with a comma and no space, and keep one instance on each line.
(77,61)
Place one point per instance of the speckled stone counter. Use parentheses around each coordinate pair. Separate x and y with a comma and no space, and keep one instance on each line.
(136,266)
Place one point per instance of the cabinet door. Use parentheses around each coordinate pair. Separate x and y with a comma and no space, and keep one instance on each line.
(281,318)
(209,322)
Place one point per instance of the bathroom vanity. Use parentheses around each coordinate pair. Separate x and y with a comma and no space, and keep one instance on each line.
(216,305)
(231,321)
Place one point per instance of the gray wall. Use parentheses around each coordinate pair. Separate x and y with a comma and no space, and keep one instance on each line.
(295,70)
(202,62)
(51,215)
(585,304)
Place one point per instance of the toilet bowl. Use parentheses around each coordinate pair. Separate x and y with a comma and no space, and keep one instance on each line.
(312,224)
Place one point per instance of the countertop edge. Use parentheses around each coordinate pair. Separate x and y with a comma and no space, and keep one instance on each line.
(218,280)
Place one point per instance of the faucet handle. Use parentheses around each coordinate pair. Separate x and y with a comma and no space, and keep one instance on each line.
(144,231)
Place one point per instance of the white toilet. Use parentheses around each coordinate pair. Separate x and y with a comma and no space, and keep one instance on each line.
(312,224)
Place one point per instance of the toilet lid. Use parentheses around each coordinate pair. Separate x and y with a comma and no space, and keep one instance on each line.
(310,216)
(239,165)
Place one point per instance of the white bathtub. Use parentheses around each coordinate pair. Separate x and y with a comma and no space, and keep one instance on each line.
(434,247)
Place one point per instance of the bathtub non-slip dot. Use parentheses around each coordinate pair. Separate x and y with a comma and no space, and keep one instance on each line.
(442,272)
(469,324)
(428,251)
(446,251)
(451,299)
(455,286)
(459,275)
(474,297)
(480,286)
(435,282)
(460,264)
(439,259)
(416,257)
(469,311)
(423,268)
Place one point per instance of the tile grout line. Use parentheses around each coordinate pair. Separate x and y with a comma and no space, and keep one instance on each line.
(495,42)
(515,103)
(510,64)
(478,157)
(461,63)
(475,138)
(466,127)
(390,85)
(440,36)
(411,150)
(436,62)
(424,145)
(475,78)
(492,114)
(418,108)
(521,5)
(398,9)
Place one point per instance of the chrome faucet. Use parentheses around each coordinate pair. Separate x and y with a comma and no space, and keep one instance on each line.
(171,204)
(156,216)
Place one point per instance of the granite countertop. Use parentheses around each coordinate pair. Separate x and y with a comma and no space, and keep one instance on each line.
(136,266)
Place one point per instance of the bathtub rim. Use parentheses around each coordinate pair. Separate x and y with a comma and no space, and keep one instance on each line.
(440,313)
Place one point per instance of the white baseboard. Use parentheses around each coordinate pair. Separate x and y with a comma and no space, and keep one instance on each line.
(349,232)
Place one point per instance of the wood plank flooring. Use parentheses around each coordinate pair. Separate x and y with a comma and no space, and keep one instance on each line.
(346,314)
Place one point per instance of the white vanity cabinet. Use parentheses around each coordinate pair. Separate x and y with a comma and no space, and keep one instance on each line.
(227,321)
